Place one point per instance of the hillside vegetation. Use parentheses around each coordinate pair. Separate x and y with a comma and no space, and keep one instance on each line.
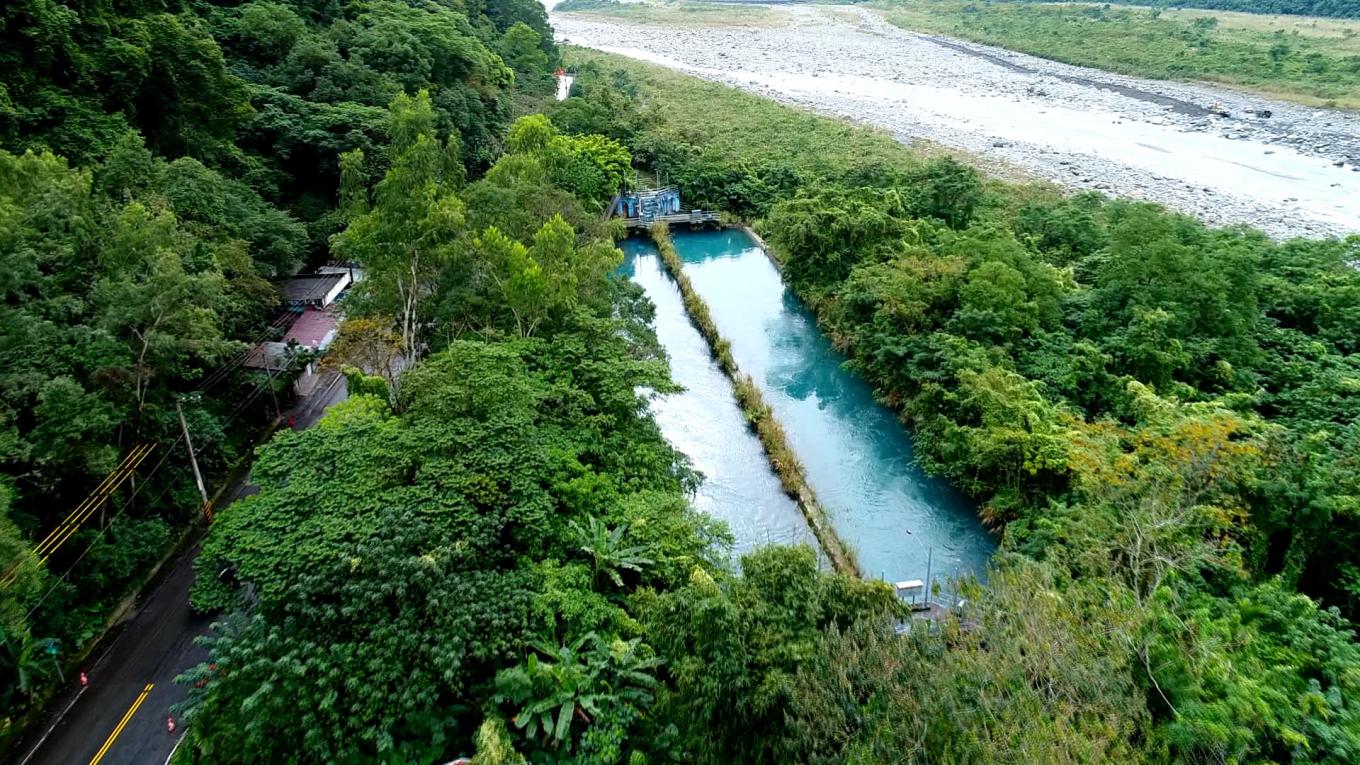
(1159,417)
(159,164)
(1317,64)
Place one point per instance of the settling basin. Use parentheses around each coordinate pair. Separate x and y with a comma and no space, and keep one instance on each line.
(858,457)
(704,422)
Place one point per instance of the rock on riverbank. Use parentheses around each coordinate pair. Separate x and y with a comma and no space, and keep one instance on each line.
(1294,173)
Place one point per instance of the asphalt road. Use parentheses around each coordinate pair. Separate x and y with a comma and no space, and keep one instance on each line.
(153,648)
(120,718)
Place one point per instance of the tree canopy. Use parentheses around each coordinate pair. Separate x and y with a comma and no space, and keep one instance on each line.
(160,165)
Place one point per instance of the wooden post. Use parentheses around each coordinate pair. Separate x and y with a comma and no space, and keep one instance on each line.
(273,394)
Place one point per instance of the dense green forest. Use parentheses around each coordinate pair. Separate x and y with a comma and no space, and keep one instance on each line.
(1308,60)
(489,549)
(160,162)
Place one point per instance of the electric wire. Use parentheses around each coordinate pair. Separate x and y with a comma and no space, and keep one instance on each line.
(240,358)
(111,482)
(72,523)
(126,468)
(102,532)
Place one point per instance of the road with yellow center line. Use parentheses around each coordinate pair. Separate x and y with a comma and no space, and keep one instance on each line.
(132,710)
(120,718)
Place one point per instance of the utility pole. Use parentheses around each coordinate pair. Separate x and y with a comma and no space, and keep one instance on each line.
(930,555)
(193,460)
(269,380)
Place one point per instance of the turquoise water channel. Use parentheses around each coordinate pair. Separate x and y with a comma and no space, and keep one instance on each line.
(858,457)
(704,422)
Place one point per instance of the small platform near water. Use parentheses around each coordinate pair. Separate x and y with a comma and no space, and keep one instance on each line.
(928,608)
(932,614)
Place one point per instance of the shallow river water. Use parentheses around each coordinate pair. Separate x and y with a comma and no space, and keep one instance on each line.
(858,457)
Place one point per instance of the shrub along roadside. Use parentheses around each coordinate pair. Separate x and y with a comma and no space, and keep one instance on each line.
(759,416)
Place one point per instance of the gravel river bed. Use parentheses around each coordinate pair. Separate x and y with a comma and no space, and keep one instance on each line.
(1294,173)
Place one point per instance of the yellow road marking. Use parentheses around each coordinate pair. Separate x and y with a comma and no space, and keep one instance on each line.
(103,750)
(132,459)
(72,525)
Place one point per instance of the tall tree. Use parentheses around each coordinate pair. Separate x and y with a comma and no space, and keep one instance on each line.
(414,225)
(165,312)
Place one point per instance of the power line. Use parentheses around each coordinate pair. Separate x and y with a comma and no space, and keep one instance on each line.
(128,460)
(241,407)
(98,537)
(72,523)
(145,482)
(236,361)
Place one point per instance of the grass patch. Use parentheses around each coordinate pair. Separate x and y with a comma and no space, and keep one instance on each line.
(1312,61)
(759,417)
(724,121)
(674,14)
(1338,30)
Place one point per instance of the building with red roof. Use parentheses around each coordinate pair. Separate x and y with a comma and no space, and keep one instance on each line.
(311,319)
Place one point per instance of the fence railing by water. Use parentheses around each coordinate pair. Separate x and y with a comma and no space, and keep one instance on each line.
(642,207)
(693,219)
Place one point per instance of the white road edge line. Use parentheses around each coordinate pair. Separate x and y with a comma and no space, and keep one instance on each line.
(171,756)
(57,721)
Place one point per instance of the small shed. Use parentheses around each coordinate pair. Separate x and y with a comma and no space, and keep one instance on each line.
(650,203)
(316,290)
(913,593)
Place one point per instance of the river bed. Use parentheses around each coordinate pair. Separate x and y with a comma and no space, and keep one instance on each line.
(1295,174)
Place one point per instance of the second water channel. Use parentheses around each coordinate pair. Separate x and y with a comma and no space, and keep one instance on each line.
(858,458)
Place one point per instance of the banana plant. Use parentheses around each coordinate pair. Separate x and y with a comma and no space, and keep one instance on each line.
(607,549)
(24,661)
(560,686)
